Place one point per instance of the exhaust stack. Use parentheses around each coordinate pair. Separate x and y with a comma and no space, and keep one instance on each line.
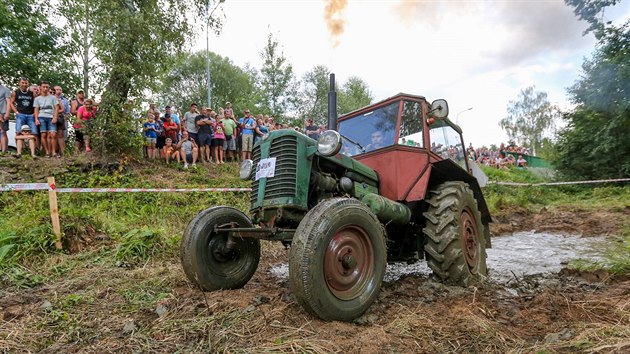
(332,104)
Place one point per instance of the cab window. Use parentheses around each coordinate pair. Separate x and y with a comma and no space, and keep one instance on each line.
(447,142)
(411,125)
(372,130)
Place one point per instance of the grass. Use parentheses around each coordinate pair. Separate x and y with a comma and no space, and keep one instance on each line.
(129,266)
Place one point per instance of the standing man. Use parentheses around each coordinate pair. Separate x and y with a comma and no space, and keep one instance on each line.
(189,122)
(229,146)
(248,124)
(46,111)
(312,130)
(77,102)
(22,105)
(204,125)
(62,128)
(5,103)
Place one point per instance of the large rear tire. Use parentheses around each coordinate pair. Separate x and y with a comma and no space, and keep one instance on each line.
(338,259)
(455,247)
(206,258)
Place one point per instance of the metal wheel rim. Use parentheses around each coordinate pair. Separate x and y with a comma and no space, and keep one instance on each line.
(217,253)
(469,238)
(349,263)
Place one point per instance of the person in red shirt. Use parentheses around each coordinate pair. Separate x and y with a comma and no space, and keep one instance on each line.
(85,113)
(170,128)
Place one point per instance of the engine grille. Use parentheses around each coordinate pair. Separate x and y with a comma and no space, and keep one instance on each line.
(283,184)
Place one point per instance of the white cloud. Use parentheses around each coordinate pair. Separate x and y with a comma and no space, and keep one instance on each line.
(476,54)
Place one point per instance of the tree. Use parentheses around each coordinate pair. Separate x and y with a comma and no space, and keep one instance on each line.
(354,94)
(590,11)
(595,142)
(31,46)
(185,82)
(136,41)
(276,76)
(312,97)
(529,118)
(80,27)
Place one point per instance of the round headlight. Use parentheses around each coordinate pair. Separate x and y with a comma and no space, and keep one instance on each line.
(329,143)
(246,169)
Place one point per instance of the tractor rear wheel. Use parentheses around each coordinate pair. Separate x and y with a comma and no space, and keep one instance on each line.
(455,245)
(338,259)
(214,261)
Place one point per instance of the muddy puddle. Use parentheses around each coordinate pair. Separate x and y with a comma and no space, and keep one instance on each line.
(511,256)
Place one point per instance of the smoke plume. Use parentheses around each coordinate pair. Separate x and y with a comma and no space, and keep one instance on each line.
(333,13)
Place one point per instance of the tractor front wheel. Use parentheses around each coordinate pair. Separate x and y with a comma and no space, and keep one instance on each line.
(338,259)
(455,247)
(213,260)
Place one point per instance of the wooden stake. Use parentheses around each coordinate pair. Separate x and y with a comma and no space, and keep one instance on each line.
(54,211)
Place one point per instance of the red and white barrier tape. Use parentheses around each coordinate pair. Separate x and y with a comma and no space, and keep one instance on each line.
(24,187)
(559,183)
(148,190)
(45,186)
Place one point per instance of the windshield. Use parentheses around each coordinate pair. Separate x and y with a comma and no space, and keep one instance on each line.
(372,130)
(446,142)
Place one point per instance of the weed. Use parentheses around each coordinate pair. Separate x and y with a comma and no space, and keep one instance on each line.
(23,277)
(139,245)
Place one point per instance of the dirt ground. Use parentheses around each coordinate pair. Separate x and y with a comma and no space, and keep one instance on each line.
(95,306)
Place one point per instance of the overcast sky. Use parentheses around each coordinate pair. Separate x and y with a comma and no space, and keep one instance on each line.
(472,53)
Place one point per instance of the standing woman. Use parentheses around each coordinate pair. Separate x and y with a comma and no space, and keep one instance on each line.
(84,114)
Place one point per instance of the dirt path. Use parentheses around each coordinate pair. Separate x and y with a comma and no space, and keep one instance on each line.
(92,305)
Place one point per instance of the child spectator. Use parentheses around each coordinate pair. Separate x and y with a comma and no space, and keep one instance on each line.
(169,153)
(219,139)
(521,162)
(150,133)
(25,136)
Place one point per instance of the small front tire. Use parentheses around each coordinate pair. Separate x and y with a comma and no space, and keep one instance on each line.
(207,259)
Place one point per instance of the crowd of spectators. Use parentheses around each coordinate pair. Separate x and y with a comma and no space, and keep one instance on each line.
(504,156)
(203,135)
(42,115)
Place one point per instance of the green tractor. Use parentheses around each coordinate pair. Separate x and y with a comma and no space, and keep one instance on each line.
(386,183)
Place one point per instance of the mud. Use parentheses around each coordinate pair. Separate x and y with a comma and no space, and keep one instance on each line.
(510,258)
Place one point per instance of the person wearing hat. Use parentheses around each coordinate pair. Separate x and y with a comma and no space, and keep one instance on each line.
(26,135)
(77,102)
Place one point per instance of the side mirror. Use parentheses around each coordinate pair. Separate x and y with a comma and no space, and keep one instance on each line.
(439,109)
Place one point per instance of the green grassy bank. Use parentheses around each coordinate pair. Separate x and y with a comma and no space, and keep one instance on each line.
(131,228)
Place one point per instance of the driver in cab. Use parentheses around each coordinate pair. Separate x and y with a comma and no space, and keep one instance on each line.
(376,141)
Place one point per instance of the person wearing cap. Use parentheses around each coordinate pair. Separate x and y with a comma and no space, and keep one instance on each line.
(77,102)
(25,135)
(248,123)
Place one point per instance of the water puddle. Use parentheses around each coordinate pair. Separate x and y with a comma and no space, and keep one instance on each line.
(522,253)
